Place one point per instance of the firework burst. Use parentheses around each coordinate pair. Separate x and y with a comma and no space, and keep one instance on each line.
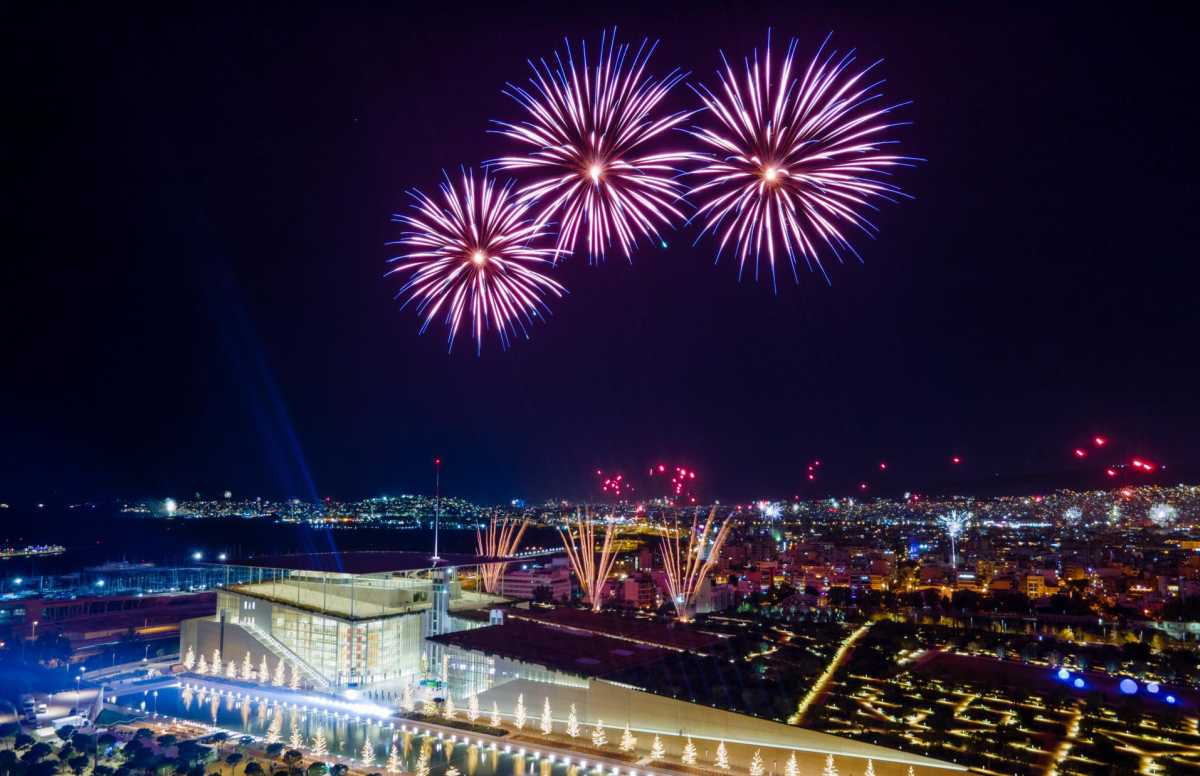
(794,159)
(588,126)
(472,256)
(1163,515)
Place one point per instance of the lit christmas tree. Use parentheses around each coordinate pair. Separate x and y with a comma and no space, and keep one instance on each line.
(295,681)
(216,662)
(792,768)
(599,737)
(870,771)
(189,660)
(722,760)
(294,740)
(830,769)
(247,668)
(275,731)
(449,710)
(689,753)
(496,721)
(547,720)
(572,723)
(422,768)
(264,671)
(756,764)
(280,677)
(407,701)
(320,747)
(428,707)
(202,666)
(519,712)
(231,670)
(628,741)
(473,708)
(393,759)
(910,771)
(657,750)
(367,755)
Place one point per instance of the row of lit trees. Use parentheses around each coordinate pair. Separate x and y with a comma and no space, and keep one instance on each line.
(285,674)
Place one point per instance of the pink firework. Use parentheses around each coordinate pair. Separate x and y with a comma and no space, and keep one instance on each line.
(588,128)
(794,159)
(472,256)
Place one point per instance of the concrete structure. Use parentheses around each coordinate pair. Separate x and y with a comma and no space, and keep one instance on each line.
(354,620)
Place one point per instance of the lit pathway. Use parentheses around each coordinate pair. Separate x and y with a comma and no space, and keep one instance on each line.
(825,678)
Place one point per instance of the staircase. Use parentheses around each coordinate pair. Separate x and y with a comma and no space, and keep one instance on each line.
(280,650)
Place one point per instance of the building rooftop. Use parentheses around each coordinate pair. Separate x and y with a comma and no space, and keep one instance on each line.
(363,562)
(570,651)
(682,638)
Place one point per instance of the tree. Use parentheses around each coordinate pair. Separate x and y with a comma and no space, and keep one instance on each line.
(275,748)
(519,712)
(870,771)
(422,768)
(722,761)
(473,708)
(599,737)
(756,764)
(202,666)
(407,702)
(231,669)
(657,750)
(264,670)
(393,759)
(449,710)
(830,768)
(294,740)
(294,683)
(496,721)
(216,662)
(320,747)
(628,741)
(572,723)
(367,755)
(280,676)
(189,659)
(547,721)
(792,768)
(689,753)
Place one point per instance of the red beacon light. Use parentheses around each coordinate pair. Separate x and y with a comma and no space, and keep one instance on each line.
(1111,472)
(955,460)
(1099,441)
(1080,452)
(883,465)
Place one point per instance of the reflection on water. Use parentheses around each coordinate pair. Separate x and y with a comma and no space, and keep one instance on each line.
(326,733)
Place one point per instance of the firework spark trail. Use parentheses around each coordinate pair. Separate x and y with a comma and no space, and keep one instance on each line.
(793,161)
(502,539)
(473,256)
(687,570)
(588,127)
(580,544)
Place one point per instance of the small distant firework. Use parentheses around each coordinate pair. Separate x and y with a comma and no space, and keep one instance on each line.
(794,162)
(770,510)
(587,127)
(473,256)
(1072,515)
(1163,515)
(954,524)
(614,485)
(682,480)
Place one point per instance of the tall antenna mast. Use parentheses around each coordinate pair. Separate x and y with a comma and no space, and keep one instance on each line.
(437,504)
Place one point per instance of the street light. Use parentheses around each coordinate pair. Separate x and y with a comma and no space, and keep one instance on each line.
(197,555)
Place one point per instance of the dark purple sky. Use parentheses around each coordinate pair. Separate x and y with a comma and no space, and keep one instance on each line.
(194,295)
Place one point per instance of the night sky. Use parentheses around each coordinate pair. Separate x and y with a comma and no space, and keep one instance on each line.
(197,203)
